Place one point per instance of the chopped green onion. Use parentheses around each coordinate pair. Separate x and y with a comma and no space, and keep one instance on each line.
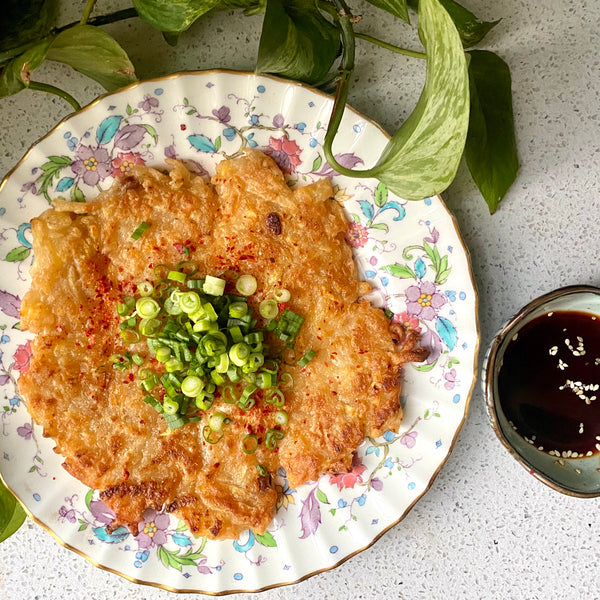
(192,386)
(306,358)
(145,288)
(275,396)
(210,436)
(246,285)
(147,308)
(139,230)
(195,284)
(238,309)
(268,309)
(206,340)
(170,406)
(129,336)
(138,359)
(262,470)
(289,325)
(282,295)
(264,380)
(250,444)
(281,417)
(204,401)
(190,302)
(187,267)
(150,382)
(173,364)
(148,327)
(215,286)
(125,305)
(273,436)
(217,420)
(163,354)
(239,353)
(177,276)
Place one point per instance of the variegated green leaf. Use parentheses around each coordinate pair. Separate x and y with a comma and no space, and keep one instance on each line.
(173,16)
(398,8)
(423,156)
(91,51)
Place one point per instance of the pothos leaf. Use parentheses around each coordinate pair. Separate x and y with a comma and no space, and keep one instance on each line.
(422,158)
(398,8)
(297,41)
(11,513)
(93,52)
(470,28)
(491,149)
(23,23)
(16,74)
(173,16)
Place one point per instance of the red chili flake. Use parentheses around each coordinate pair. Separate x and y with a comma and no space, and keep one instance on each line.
(183,127)
(216,465)
(125,474)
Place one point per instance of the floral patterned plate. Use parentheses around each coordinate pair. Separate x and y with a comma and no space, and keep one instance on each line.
(410,252)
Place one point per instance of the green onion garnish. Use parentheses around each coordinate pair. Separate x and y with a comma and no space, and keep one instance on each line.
(272,437)
(306,358)
(282,295)
(139,230)
(250,444)
(268,309)
(206,350)
(246,285)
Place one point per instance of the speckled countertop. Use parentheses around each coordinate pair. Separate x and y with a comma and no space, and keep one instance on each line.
(485,529)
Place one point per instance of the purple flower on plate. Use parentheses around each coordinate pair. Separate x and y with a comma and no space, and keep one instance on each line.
(29,186)
(148,103)
(67,513)
(152,530)
(450,379)
(278,120)
(223,114)
(91,164)
(25,431)
(129,136)
(423,300)
(101,512)
(409,439)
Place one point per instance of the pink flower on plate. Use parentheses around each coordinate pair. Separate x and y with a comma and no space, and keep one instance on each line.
(91,164)
(124,162)
(409,439)
(407,320)
(285,152)
(423,300)
(152,530)
(148,103)
(349,480)
(22,357)
(357,235)
(450,379)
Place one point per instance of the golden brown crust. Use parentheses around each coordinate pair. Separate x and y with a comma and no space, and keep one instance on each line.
(248,221)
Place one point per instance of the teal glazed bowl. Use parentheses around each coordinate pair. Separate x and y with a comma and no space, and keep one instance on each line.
(569,472)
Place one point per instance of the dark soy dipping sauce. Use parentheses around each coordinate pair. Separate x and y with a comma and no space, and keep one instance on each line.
(549,380)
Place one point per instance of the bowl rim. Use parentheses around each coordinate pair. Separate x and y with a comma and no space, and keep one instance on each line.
(488,381)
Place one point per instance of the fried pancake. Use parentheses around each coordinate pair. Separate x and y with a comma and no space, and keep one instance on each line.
(246,221)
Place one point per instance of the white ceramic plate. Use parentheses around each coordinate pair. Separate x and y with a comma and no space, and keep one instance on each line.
(410,252)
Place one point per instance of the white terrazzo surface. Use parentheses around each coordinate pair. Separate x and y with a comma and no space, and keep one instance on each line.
(486,529)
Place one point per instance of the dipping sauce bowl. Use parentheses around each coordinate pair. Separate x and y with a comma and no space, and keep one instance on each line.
(541,382)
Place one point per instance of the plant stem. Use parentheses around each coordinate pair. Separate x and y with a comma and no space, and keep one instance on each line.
(89,7)
(51,89)
(346,69)
(396,49)
(119,15)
